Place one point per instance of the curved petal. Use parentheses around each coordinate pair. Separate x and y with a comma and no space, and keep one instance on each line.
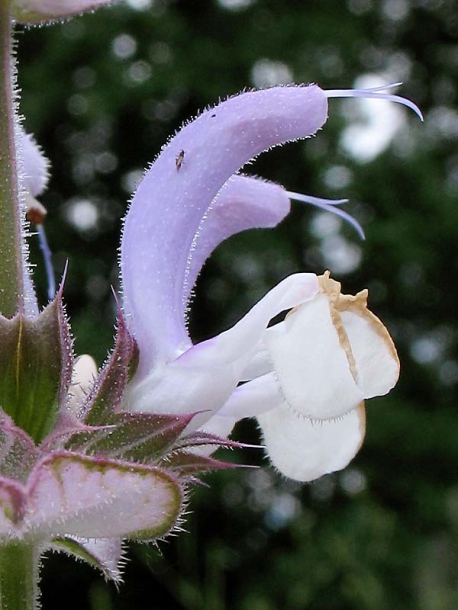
(239,340)
(305,450)
(243,203)
(177,191)
(203,378)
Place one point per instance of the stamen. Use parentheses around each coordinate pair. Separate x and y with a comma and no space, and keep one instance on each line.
(329,205)
(47,257)
(376,93)
(36,213)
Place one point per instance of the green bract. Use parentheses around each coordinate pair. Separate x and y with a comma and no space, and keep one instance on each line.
(35,368)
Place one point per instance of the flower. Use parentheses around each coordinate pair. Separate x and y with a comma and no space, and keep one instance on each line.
(37,11)
(189,201)
(77,473)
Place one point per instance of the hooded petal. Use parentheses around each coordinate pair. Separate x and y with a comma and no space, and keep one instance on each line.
(305,450)
(176,193)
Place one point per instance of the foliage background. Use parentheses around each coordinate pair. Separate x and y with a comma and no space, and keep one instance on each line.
(102,93)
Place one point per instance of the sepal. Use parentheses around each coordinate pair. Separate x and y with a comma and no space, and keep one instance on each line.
(35,368)
(190,465)
(138,437)
(103,401)
(18,453)
(12,506)
(104,554)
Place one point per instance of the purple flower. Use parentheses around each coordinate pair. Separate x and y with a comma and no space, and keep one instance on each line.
(304,379)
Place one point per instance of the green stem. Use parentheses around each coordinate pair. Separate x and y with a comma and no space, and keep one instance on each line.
(12,266)
(18,576)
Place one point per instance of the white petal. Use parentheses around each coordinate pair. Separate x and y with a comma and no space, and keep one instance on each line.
(241,338)
(83,377)
(260,363)
(304,450)
(252,398)
(311,365)
(376,359)
(203,378)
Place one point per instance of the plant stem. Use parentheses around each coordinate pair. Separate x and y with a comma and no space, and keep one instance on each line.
(12,267)
(18,576)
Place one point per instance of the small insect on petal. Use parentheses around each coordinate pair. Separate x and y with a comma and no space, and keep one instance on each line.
(179,160)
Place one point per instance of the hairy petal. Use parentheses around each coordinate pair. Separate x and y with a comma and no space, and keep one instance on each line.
(177,192)
(303,449)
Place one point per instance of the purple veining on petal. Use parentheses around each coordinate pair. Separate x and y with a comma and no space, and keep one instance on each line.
(172,199)
(243,203)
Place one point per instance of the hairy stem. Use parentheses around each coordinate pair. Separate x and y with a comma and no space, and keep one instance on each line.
(12,266)
(18,576)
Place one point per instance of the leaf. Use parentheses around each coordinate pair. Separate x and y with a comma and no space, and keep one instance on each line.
(104,554)
(73,495)
(105,398)
(35,368)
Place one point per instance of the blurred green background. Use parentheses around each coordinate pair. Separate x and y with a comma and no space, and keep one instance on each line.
(102,93)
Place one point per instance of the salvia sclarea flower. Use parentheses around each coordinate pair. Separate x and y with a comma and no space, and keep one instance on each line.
(77,472)
(87,459)
(304,379)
